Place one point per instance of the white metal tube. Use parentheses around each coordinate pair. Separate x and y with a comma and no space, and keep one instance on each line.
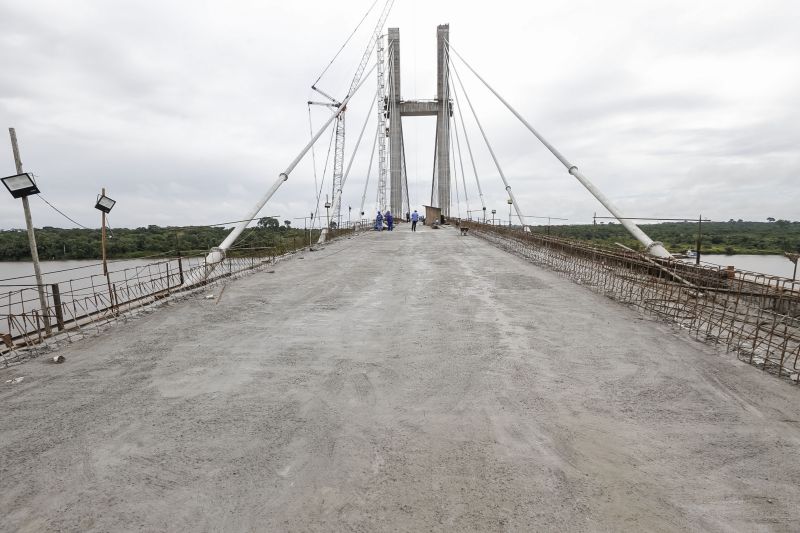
(491,151)
(653,247)
(369,170)
(217,254)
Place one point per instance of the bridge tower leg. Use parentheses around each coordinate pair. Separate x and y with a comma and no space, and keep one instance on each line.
(395,128)
(443,118)
(440,108)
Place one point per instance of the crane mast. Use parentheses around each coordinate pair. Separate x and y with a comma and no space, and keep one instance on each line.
(338,162)
(382,129)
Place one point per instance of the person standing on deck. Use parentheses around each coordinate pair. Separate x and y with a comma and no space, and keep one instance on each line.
(414,220)
(379,221)
(389,220)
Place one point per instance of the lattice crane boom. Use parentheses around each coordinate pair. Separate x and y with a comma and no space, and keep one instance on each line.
(338,162)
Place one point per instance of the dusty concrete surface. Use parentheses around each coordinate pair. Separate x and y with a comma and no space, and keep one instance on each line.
(398,382)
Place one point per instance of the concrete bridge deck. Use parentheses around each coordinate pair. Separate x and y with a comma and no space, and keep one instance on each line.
(398,382)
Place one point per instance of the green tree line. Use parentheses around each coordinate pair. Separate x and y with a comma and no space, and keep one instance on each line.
(732,237)
(61,244)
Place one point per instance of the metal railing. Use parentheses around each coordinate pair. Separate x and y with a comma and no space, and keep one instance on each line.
(85,303)
(753,314)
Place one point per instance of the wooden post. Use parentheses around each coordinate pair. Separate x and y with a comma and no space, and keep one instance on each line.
(103,237)
(699,238)
(37,270)
(105,261)
(57,304)
(180,267)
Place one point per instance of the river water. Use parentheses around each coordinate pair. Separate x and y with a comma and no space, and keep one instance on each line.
(16,274)
(61,271)
(82,285)
(774,265)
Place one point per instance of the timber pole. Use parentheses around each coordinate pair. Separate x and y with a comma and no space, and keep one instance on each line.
(103,238)
(31,237)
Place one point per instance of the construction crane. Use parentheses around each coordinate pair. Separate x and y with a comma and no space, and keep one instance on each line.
(338,161)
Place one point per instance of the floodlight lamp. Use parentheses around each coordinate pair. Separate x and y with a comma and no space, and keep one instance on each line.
(20,185)
(327,205)
(104,203)
(509,201)
(494,211)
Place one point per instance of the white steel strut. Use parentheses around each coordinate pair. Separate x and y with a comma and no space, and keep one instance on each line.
(218,254)
(653,247)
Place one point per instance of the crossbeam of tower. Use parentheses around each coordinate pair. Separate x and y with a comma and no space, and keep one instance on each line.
(440,108)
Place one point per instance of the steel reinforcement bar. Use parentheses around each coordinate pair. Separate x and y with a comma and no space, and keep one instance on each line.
(755,315)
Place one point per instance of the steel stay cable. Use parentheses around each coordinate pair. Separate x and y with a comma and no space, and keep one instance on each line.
(489,146)
(324,171)
(469,146)
(404,174)
(369,168)
(358,143)
(313,150)
(461,163)
(455,178)
(653,247)
(346,41)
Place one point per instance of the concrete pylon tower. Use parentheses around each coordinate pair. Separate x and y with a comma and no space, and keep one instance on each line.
(395,129)
(439,108)
(443,118)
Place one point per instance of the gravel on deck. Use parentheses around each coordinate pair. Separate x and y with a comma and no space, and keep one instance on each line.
(397,381)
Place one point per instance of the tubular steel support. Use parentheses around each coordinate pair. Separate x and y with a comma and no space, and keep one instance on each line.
(653,248)
(218,254)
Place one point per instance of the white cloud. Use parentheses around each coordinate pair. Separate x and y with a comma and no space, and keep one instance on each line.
(187,111)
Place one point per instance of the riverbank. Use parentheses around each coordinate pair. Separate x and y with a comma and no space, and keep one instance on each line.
(504,401)
(719,238)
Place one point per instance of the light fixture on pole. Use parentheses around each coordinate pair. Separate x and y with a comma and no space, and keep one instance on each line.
(105,205)
(21,185)
(484,214)
(349,208)
(510,203)
(494,211)
(327,210)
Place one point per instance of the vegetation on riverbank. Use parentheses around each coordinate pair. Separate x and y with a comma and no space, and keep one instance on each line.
(64,244)
(732,237)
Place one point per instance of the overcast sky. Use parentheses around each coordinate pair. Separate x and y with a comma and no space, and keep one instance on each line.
(187,111)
